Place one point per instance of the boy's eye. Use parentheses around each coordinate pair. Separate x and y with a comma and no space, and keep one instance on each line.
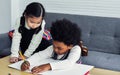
(59,48)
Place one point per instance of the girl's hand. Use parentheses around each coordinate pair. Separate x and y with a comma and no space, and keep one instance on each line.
(41,68)
(25,66)
(13,59)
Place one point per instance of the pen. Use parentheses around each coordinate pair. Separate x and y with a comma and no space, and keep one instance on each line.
(21,55)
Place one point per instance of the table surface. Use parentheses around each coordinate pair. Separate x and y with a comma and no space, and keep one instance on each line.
(98,71)
(5,70)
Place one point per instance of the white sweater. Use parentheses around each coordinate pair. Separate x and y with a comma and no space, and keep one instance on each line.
(73,56)
(36,40)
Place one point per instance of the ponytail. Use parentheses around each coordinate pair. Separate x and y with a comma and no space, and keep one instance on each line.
(22,23)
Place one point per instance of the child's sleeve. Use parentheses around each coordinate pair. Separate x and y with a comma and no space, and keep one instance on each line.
(36,40)
(70,61)
(16,40)
(35,58)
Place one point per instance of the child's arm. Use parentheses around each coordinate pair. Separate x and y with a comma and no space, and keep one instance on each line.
(15,43)
(41,68)
(35,58)
(16,40)
(70,61)
(36,40)
(61,64)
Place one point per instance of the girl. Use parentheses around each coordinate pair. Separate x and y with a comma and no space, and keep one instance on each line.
(65,48)
(28,34)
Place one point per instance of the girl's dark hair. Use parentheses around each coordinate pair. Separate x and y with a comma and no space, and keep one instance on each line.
(33,9)
(65,31)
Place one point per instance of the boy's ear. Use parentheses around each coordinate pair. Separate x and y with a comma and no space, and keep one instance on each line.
(70,46)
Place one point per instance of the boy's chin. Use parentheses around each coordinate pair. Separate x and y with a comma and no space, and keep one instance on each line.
(59,53)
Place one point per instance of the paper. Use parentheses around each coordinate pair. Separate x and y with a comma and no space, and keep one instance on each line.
(77,69)
(17,65)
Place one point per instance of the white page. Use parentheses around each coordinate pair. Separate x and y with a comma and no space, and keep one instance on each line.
(77,69)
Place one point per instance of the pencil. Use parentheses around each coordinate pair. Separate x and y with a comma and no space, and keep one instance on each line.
(21,55)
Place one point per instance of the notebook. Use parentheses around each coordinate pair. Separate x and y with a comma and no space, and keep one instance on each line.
(77,69)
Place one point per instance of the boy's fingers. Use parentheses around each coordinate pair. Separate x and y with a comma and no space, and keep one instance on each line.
(25,65)
(36,70)
(23,68)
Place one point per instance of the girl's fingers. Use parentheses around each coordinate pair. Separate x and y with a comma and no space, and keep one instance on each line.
(13,59)
(16,60)
(20,58)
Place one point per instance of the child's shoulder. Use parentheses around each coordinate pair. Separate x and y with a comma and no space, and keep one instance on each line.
(76,47)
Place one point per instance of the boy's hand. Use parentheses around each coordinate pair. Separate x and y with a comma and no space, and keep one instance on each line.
(41,68)
(13,59)
(25,66)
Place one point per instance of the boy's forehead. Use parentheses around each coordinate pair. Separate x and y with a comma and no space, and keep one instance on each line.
(59,44)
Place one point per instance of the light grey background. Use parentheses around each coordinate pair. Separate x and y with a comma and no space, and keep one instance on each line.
(10,10)
(5,15)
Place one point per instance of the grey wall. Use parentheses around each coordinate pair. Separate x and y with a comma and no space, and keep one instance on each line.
(5,15)
(15,7)
(10,10)
(105,8)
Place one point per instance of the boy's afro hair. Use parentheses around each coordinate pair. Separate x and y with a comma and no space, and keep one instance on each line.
(65,31)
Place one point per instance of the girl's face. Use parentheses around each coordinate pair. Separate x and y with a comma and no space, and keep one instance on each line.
(61,48)
(33,22)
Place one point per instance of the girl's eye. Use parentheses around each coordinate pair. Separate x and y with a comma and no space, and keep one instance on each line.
(38,22)
(31,21)
(34,22)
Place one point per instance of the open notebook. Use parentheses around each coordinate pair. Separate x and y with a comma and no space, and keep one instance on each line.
(77,69)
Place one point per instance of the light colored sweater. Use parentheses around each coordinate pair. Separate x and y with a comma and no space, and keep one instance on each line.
(73,56)
(36,40)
